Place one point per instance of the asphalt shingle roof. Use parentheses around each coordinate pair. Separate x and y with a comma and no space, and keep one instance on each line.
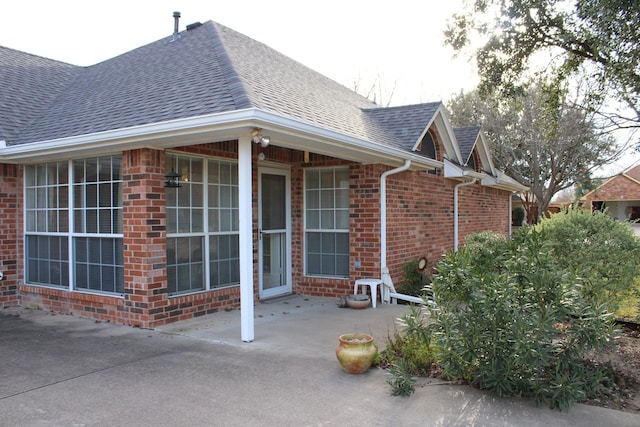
(466,137)
(29,85)
(209,69)
(400,126)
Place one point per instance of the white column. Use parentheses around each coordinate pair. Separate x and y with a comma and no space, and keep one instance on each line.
(246,239)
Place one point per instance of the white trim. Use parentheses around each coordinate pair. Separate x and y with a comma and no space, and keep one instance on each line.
(245,222)
(285,132)
(306,229)
(383,210)
(280,170)
(455,210)
(452,170)
(445,132)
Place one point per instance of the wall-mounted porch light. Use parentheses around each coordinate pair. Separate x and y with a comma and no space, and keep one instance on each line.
(172,180)
(257,138)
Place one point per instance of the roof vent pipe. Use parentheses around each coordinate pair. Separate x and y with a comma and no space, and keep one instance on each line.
(176,21)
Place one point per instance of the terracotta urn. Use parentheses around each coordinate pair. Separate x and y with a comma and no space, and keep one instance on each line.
(356,352)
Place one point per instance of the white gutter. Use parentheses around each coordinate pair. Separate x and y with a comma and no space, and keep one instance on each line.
(196,130)
(383,210)
(455,211)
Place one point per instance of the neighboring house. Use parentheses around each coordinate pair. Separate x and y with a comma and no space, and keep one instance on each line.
(289,182)
(619,195)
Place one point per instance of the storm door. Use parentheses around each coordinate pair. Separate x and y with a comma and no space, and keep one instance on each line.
(274,232)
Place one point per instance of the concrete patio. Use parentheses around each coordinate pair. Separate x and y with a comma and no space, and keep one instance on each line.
(313,323)
(64,370)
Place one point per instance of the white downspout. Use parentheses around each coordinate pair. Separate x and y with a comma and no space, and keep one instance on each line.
(455,211)
(383,210)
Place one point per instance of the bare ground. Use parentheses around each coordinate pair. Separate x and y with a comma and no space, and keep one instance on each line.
(624,358)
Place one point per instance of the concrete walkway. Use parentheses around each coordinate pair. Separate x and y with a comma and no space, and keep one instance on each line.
(66,371)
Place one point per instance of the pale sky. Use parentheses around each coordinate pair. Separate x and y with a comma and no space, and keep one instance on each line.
(398,41)
(346,40)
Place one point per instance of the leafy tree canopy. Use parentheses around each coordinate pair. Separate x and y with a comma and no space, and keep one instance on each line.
(595,38)
(538,137)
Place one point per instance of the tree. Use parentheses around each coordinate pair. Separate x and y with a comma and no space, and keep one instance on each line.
(540,138)
(374,91)
(595,38)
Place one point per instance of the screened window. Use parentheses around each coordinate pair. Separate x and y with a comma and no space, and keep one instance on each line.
(92,190)
(202,225)
(327,222)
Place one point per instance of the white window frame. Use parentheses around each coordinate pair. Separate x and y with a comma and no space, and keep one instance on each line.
(70,234)
(335,229)
(206,234)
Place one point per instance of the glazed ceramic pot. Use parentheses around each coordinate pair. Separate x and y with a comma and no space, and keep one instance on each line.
(356,352)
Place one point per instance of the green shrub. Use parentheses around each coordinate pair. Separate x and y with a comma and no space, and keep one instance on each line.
(510,321)
(603,252)
(413,282)
(413,345)
(401,381)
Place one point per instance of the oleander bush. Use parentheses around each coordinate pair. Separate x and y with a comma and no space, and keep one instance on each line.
(511,319)
(603,252)
(518,316)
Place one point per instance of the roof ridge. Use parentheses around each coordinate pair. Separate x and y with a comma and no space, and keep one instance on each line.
(22,52)
(420,104)
(232,79)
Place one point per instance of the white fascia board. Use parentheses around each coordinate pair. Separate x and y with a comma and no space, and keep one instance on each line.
(128,138)
(452,171)
(306,130)
(503,182)
(446,122)
(485,155)
(442,123)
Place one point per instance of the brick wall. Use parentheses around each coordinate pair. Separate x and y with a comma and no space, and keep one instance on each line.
(420,222)
(144,230)
(10,232)
(618,188)
(420,217)
(146,302)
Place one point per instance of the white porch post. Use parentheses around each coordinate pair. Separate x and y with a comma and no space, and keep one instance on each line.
(246,239)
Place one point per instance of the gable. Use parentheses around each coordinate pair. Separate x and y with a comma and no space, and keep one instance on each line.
(442,132)
(634,173)
(620,187)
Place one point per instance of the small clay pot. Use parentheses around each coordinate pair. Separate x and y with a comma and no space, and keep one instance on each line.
(358,301)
